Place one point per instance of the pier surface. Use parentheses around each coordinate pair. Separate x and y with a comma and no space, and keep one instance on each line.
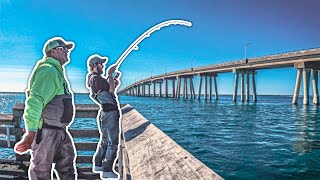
(145,151)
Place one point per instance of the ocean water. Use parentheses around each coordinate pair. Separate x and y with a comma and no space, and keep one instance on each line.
(270,139)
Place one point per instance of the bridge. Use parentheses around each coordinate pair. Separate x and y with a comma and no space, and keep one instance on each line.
(307,63)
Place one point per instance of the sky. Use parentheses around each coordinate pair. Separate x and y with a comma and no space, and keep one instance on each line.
(220,30)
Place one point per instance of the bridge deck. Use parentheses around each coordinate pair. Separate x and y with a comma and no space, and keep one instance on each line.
(283,60)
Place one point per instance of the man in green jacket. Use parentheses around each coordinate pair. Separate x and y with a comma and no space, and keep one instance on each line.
(48,112)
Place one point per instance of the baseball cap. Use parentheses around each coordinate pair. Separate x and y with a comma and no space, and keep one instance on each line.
(53,43)
(96,59)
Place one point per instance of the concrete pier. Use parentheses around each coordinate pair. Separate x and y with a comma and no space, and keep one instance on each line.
(306,85)
(178,88)
(297,87)
(247,88)
(254,87)
(192,88)
(166,89)
(242,87)
(173,88)
(315,86)
(154,89)
(184,88)
(200,84)
(234,98)
(205,87)
(152,154)
(216,87)
(210,87)
(160,89)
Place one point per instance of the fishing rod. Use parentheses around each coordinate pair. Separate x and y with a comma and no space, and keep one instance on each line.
(134,45)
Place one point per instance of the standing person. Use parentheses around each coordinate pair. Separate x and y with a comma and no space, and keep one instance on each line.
(102,92)
(48,112)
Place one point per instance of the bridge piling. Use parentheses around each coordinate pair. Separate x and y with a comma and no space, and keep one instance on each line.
(306,85)
(297,87)
(315,86)
(215,87)
(184,88)
(186,83)
(254,87)
(200,83)
(173,88)
(154,89)
(210,87)
(137,87)
(247,88)
(178,88)
(234,98)
(192,88)
(242,87)
(166,89)
(205,87)
(160,89)
(149,90)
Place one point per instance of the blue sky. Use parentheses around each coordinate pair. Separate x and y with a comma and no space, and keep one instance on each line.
(220,30)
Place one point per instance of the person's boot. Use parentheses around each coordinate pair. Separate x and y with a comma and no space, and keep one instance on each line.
(97,168)
(110,175)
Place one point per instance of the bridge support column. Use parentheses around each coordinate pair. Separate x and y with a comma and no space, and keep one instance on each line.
(306,67)
(210,87)
(297,87)
(216,87)
(306,85)
(234,98)
(160,89)
(166,89)
(186,85)
(173,88)
(184,88)
(247,87)
(149,90)
(192,88)
(205,87)
(154,89)
(178,88)
(315,86)
(140,90)
(242,87)
(200,84)
(254,86)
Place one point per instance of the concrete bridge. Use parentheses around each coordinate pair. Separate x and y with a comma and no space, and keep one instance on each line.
(305,61)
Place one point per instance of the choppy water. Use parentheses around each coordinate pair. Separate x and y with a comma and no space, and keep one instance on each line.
(270,139)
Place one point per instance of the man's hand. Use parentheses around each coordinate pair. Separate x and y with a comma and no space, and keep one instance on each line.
(22,146)
(112,69)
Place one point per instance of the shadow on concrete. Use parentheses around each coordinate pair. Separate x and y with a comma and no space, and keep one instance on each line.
(132,133)
(127,109)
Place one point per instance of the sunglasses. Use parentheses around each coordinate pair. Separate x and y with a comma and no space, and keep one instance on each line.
(62,48)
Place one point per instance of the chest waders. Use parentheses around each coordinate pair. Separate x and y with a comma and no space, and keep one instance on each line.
(58,113)
(107,101)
